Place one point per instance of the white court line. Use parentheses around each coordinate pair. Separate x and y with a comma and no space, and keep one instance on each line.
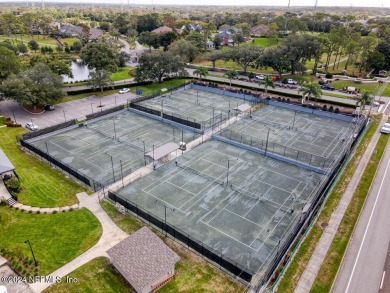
(383,278)
(257,202)
(227,235)
(367,226)
(242,217)
(168,204)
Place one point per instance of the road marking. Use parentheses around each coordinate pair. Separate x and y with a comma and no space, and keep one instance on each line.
(380,108)
(386,107)
(383,278)
(368,225)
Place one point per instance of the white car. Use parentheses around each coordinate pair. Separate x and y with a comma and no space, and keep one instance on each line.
(3,289)
(291,81)
(124,90)
(31,126)
(386,128)
(260,77)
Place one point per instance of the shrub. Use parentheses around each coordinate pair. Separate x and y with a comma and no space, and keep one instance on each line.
(329,75)
(337,110)
(330,109)
(284,80)
(13,184)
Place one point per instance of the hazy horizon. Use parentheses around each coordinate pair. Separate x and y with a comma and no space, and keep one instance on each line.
(282,3)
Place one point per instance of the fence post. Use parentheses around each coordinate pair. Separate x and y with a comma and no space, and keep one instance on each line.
(297,156)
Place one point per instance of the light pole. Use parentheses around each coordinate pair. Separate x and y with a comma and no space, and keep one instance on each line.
(64,115)
(13,112)
(115,100)
(165,214)
(113,119)
(92,107)
(266,143)
(112,165)
(123,184)
(154,166)
(32,252)
(228,168)
(47,152)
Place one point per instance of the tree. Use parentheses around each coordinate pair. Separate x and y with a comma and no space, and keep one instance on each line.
(217,42)
(99,56)
(309,90)
(165,39)
(148,22)
(276,58)
(197,40)
(214,56)
(244,56)
(375,61)
(183,48)
(123,58)
(105,26)
(364,99)
(77,46)
(33,45)
(157,65)
(149,39)
(384,48)
(268,81)
(55,64)
(238,38)
(22,48)
(201,72)
(9,62)
(99,79)
(230,75)
(37,85)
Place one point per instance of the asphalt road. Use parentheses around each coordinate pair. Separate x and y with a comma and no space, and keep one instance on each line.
(364,262)
(76,109)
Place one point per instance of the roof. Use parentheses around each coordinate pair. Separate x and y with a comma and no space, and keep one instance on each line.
(229,29)
(95,33)
(162,29)
(5,163)
(260,30)
(243,107)
(162,151)
(70,29)
(142,257)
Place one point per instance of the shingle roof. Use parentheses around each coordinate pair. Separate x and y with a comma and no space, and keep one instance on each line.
(142,257)
(95,33)
(162,29)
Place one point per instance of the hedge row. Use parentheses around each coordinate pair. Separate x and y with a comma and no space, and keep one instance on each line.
(117,86)
(285,94)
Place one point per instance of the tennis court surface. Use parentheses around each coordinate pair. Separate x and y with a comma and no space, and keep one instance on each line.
(244,220)
(123,137)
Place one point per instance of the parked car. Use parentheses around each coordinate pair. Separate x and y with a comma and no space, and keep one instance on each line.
(31,126)
(386,128)
(260,77)
(49,107)
(124,90)
(327,87)
(291,81)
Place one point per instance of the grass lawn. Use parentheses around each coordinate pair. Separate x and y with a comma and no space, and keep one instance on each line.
(47,41)
(42,185)
(96,276)
(121,74)
(81,96)
(149,89)
(263,42)
(193,274)
(298,264)
(55,238)
(333,258)
(368,87)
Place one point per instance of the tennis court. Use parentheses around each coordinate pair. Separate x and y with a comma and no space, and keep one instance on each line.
(310,138)
(239,203)
(202,107)
(109,148)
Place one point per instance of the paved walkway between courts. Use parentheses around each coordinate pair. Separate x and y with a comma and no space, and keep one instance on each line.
(309,275)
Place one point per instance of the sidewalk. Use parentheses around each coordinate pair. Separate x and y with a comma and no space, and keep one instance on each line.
(309,275)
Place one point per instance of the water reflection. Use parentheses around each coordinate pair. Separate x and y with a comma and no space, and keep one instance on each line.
(79,70)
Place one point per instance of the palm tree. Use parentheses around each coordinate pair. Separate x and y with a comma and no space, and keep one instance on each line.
(231,74)
(268,81)
(201,72)
(310,89)
(364,99)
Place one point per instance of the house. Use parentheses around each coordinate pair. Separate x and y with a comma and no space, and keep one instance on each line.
(162,29)
(210,44)
(226,37)
(5,164)
(229,29)
(95,34)
(69,30)
(261,30)
(144,261)
(192,27)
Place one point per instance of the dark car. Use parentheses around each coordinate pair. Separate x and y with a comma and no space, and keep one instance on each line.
(49,108)
(327,87)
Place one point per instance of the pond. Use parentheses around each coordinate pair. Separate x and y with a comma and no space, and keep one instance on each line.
(79,70)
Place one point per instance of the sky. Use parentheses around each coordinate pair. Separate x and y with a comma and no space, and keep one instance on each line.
(348,3)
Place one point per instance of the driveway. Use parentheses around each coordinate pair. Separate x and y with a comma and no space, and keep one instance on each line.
(76,109)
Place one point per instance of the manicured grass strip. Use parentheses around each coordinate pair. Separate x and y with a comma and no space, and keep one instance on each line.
(96,276)
(339,84)
(149,89)
(56,238)
(42,185)
(291,276)
(121,74)
(333,258)
(193,274)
